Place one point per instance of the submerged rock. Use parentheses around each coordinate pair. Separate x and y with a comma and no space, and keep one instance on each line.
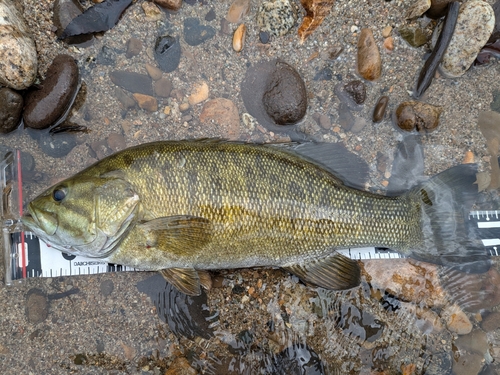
(476,17)
(438,8)
(18,59)
(64,12)
(195,33)
(276,17)
(10,109)
(224,113)
(49,104)
(132,82)
(369,61)
(238,10)
(167,53)
(380,108)
(417,115)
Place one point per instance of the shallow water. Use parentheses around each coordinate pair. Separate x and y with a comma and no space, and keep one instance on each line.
(255,321)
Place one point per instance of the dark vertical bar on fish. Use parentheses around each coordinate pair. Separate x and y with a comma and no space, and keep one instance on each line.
(430,66)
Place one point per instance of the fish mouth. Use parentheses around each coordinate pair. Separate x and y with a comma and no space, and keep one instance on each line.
(39,222)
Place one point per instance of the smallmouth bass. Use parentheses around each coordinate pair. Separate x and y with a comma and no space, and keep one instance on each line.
(186,207)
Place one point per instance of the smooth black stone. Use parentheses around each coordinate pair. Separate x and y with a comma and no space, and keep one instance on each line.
(264,37)
(133,82)
(58,145)
(195,33)
(167,53)
(324,74)
(11,107)
(210,16)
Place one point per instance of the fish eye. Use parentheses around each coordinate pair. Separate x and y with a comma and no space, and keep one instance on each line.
(59,193)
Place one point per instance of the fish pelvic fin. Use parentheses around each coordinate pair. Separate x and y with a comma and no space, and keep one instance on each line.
(445,201)
(336,272)
(187,280)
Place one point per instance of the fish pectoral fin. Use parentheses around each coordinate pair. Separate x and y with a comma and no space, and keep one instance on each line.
(187,280)
(336,272)
(178,234)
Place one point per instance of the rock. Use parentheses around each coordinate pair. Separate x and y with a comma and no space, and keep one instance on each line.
(389,43)
(116,142)
(152,12)
(359,124)
(409,280)
(239,37)
(285,97)
(456,320)
(264,37)
(154,72)
(167,53)
(37,306)
(386,31)
(491,322)
(18,57)
(163,87)
(474,342)
(211,15)
(415,37)
(195,33)
(324,74)
(438,8)
(316,11)
(64,12)
(467,364)
(417,115)
(106,56)
(346,97)
(369,61)
(495,35)
(417,8)
(346,118)
(57,145)
(124,98)
(356,90)
(149,103)
(180,366)
(132,82)
(225,114)
(476,17)
(238,10)
(380,108)
(199,93)
(10,110)
(324,121)
(49,104)
(276,17)
(174,5)
(107,287)
(134,47)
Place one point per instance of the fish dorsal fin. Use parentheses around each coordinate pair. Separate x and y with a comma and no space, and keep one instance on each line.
(350,169)
(179,234)
(187,280)
(336,272)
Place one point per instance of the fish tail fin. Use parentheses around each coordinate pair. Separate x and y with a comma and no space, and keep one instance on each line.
(445,202)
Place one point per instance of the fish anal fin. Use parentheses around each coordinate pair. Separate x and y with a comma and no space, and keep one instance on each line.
(181,234)
(336,272)
(187,280)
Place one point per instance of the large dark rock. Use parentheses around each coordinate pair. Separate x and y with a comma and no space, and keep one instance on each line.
(133,82)
(11,107)
(167,53)
(50,102)
(285,97)
(195,33)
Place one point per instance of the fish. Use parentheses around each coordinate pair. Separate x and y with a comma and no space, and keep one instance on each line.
(184,208)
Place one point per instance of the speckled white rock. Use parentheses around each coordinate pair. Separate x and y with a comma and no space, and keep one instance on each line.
(18,60)
(276,17)
(475,23)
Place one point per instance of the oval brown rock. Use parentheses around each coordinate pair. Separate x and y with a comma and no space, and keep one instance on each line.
(369,61)
(417,115)
(49,103)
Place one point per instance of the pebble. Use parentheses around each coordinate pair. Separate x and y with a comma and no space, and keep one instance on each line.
(106,56)
(408,280)
(264,37)
(380,108)
(58,145)
(386,31)
(49,104)
(146,102)
(17,49)
(64,12)
(195,33)
(415,37)
(474,342)
(238,10)
(276,17)
(456,320)
(152,12)
(124,98)
(199,93)
(389,43)
(239,37)
(163,87)
(167,53)
(413,115)
(285,95)
(467,364)
(154,72)
(37,306)
(324,74)
(417,8)
(476,17)
(174,5)
(324,121)
(134,47)
(10,109)
(369,61)
(211,15)
(346,97)
(438,8)
(107,287)
(224,113)
(356,90)
(116,142)
(346,118)
(491,322)
(132,82)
